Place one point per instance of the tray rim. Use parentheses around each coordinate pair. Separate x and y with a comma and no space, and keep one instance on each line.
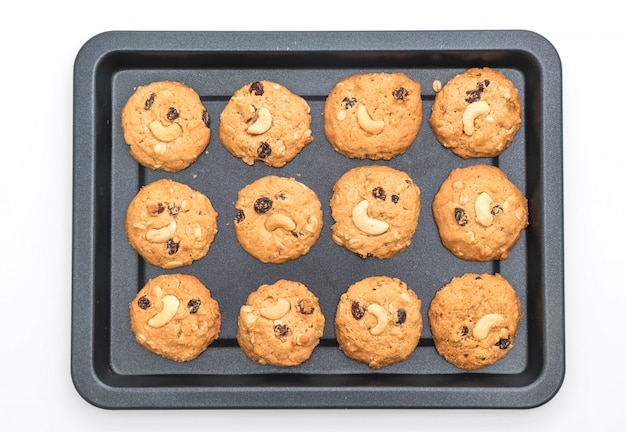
(97,392)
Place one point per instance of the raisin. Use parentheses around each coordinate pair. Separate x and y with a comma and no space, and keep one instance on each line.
(194,305)
(348,102)
(160,208)
(400,93)
(205,118)
(464,331)
(401,316)
(172,114)
(262,205)
(174,209)
(172,247)
(305,306)
(149,101)
(379,193)
(503,343)
(257,88)
(143,302)
(357,310)
(395,199)
(264,150)
(496,210)
(474,95)
(240,216)
(460,216)
(281,330)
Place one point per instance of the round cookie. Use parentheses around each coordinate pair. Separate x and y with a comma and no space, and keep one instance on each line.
(170,225)
(166,125)
(474,320)
(280,324)
(378,321)
(174,316)
(479,213)
(376,209)
(278,219)
(373,115)
(477,113)
(265,121)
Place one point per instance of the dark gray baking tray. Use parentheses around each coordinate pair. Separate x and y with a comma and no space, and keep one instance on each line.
(110,370)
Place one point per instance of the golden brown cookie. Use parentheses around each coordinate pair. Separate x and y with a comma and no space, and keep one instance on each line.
(479,213)
(378,321)
(373,115)
(174,316)
(265,121)
(477,113)
(170,225)
(278,219)
(474,320)
(280,324)
(376,209)
(166,125)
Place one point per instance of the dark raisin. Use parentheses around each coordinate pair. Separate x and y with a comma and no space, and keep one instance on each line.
(281,330)
(143,302)
(464,331)
(306,306)
(264,150)
(400,93)
(395,199)
(240,216)
(379,193)
(205,118)
(474,95)
(257,88)
(172,114)
(174,209)
(348,102)
(262,205)
(496,210)
(160,208)
(172,247)
(149,101)
(194,305)
(503,343)
(357,310)
(460,216)
(401,316)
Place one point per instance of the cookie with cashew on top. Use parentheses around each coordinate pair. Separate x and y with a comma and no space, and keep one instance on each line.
(477,113)
(376,210)
(165,125)
(373,115)
(278,219)
(170,225)
(175,316)
(280,324)
(264,121)
(474,320)
(378,321)
(480,213)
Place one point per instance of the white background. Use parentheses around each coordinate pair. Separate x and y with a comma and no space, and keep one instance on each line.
(39,43)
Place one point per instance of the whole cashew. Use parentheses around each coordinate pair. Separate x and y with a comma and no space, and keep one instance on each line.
(482,327)
(483,206)
(381,318)
(170,307)
(365,223)
(165,133)
(262,123)
(161,234)
(367,123)
(278,220)
(471,113)
(277,310)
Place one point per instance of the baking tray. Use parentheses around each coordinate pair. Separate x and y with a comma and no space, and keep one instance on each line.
(110,370)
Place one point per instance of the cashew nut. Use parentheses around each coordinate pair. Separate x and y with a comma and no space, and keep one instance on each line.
(262,123)
(365,223)
(482,327)
(483,205)
(159,235)
(367,123)
(165,133)
(278,220)
(381,318)
(471,113)
(170,307)
(277,310)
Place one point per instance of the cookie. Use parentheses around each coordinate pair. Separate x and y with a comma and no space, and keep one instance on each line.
(376,209)
(480,213)
(278,219)
(474,320)
(174,316)
(265,121)
(280,324)
(477,113)
(378,321)
(165,125)
(373,115)
(170,225)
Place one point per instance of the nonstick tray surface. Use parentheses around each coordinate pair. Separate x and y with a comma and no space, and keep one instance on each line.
(110,370)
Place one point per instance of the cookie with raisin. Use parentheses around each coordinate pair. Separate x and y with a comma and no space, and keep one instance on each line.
(170,225)
(278,219)
(376,210)
(474,320)
(280,324)
(165,125)
(480,213)
(264,121)
(378,321)
(477,113)
(373,115)
(175,316)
